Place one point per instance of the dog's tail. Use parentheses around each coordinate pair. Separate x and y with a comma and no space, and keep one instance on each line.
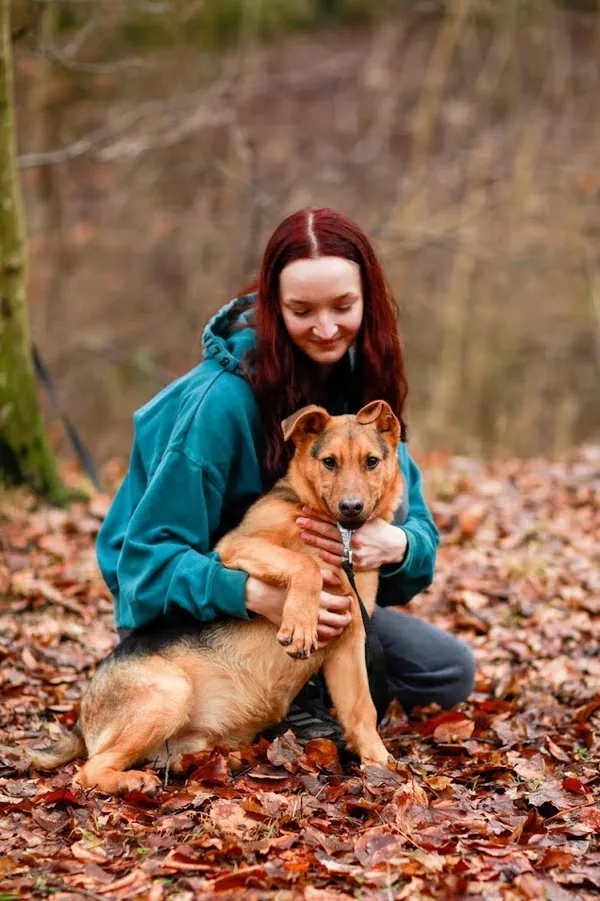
(66,749)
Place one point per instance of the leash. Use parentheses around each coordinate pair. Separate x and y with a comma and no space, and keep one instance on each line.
(374,656)
(80,449)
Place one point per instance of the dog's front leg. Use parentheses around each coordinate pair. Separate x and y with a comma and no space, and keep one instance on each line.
(299,574)
(345,672)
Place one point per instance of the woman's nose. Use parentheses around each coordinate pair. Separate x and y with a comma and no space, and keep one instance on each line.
(325,328)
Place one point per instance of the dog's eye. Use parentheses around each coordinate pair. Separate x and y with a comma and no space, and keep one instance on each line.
(371,462)
(329,463)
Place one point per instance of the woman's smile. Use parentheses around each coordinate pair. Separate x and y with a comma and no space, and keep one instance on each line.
(326,345)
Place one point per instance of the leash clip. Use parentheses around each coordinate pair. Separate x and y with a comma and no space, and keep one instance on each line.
(347,544)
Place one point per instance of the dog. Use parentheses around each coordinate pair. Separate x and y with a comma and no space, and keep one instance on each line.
(180,687)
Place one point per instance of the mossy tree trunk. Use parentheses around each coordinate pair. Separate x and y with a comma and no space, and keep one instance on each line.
(25,455)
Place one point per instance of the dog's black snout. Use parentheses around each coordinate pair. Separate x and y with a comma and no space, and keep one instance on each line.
(351,506)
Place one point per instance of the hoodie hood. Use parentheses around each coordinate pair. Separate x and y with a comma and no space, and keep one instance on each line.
(230,334)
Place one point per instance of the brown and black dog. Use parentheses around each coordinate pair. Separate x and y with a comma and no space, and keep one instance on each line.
(183,687)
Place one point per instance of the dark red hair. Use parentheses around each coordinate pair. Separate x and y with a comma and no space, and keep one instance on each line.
(282,377)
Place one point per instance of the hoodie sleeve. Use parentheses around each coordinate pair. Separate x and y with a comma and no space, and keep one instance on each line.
(399,583)
(165,561)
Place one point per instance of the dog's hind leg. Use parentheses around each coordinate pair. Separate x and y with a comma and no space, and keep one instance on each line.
(126,716)
(345,673)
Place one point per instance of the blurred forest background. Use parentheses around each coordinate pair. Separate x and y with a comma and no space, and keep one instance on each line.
(161,142)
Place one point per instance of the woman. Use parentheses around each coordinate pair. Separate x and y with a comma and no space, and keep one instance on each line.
(319,328)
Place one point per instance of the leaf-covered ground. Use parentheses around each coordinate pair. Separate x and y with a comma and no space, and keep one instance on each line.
(497,799)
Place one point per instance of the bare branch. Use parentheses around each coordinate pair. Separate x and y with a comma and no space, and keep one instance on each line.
(131,147)
(95,138)
(65,56)
(75,45)
(74,150)
(173,130)
(65,60)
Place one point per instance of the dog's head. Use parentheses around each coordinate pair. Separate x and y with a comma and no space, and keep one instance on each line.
(346,465)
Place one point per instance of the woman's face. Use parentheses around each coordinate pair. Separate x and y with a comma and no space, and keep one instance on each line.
(322,306)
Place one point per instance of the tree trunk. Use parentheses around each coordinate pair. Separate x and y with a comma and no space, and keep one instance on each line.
(25,455)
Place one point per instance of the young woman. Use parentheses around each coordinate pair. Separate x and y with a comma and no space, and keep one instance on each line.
(320,327)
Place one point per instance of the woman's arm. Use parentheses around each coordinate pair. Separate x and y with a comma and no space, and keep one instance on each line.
(165,561)
(400,582)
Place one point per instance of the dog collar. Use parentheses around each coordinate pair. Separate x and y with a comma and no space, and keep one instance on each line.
(347,544)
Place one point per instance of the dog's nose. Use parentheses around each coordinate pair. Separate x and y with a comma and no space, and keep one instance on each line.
(351,507)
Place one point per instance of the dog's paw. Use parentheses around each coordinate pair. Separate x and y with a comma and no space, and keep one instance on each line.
(115,783)
(298,638)
(377,753)
(138,781)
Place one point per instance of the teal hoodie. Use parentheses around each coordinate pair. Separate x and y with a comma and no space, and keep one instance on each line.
(195,468)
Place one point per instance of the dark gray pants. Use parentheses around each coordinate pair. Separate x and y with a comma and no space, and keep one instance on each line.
(424,663)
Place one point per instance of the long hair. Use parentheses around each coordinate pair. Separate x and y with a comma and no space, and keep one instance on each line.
(281,376)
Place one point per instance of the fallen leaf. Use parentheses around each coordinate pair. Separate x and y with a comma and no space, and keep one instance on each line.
(454,732)
(88,853)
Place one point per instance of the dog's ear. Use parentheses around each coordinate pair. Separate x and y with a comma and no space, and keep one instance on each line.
(309,421)
(383,417)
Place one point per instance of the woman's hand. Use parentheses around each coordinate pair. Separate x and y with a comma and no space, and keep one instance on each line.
(334,611)
(375,543)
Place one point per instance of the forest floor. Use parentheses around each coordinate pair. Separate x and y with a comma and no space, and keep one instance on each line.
(497,799)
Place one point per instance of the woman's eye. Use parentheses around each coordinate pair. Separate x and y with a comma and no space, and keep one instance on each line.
(301,313)
(371,462)
(345,309)
(329,463)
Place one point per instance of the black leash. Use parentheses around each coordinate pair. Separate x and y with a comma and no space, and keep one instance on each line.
(86,461)
(374,655)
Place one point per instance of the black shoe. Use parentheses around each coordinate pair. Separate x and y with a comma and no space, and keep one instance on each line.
(309,717)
